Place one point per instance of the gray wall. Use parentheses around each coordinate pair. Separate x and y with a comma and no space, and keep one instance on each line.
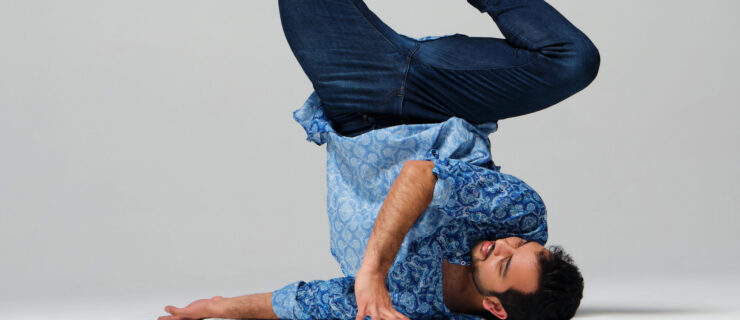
(148,146)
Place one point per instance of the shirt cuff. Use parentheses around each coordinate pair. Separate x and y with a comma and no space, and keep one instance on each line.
(445,185)
(284,302)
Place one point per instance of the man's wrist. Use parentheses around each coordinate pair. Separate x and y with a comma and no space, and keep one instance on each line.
(371,272)
(370,265)
(218,306)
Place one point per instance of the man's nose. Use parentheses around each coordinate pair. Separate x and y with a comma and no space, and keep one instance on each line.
(502,248)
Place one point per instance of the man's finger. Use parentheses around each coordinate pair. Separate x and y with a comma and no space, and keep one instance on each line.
(392,314)
(401,315)
(180,313)
(360,316)
(375,312)
(361,312)
(397,314)
(171,309)
(386,314)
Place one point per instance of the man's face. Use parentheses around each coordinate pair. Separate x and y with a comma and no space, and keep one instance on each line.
(504,264)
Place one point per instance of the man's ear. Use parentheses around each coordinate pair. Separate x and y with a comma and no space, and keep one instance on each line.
(493,305)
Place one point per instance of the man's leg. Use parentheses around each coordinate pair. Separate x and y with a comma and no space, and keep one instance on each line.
(355,62)
(543,60)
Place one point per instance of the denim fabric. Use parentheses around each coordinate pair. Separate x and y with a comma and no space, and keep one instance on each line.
(369,76)
(382,98)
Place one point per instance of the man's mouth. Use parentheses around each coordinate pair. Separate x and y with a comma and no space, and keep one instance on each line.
(487,248)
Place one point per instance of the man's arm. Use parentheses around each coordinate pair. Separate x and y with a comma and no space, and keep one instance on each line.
(408,197)
(317,299)
(410,194)
(253,306)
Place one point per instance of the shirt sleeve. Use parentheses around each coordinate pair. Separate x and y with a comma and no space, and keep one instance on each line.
(320,299)
(488,197)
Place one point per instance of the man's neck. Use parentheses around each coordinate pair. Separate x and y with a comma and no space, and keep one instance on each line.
(460,294)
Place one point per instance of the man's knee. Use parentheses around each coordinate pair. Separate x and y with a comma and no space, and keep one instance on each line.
(590,60)
(582,64)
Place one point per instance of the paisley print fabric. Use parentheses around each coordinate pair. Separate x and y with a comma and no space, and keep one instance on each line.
(472,201)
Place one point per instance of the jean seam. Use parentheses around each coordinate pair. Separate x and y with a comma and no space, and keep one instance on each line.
(375,28)
(405,77)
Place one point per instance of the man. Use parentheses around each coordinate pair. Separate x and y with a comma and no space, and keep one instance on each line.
(423,223)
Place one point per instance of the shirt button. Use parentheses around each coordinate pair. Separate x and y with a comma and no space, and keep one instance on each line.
(364,117)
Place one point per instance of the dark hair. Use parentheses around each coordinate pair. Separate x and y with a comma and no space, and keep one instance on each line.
(557,297)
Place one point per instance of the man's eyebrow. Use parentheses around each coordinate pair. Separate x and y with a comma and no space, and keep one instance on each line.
(508,262)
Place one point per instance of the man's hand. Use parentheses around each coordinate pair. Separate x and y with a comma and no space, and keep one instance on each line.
(373,298)
(199,309)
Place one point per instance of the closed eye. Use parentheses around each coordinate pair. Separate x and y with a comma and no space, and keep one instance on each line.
(508,263)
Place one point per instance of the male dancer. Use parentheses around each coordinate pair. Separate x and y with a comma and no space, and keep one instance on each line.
(414,196)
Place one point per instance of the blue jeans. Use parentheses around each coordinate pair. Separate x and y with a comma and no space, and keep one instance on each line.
(368,76)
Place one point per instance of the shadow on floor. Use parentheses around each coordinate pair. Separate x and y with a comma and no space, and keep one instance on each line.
(600,311)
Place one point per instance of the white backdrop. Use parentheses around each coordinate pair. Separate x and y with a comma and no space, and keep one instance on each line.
(148,146)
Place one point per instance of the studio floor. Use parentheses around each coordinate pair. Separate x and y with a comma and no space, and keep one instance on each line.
(716,297)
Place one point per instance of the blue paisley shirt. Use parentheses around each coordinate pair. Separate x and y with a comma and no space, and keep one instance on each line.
(472,201)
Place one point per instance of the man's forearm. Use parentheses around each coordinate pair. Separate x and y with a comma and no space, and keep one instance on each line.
(253,306)
(408,197)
